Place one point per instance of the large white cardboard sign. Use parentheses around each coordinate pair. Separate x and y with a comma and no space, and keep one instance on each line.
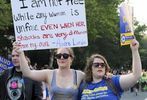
(45,24)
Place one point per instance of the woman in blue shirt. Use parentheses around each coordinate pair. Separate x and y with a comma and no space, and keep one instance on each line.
(96,87)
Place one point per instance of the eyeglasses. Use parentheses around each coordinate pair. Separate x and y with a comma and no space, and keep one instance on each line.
(96,65)
(64,55)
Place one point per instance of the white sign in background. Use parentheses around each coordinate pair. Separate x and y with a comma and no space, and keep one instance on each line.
(44,24)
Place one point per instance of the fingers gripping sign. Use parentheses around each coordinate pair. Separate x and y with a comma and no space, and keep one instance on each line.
(17,47)
(134,45)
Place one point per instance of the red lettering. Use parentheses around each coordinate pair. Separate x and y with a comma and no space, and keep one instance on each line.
(79,24)
(49,27)
(47,36)
(67,25)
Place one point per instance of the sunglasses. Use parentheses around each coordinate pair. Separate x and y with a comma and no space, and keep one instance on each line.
(96,65)
(64,55)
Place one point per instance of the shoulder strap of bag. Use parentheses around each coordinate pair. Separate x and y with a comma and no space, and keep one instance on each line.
(83,85)
(111,85)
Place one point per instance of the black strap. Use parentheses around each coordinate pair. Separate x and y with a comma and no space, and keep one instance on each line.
(111,85)
(83,85)
(76,82)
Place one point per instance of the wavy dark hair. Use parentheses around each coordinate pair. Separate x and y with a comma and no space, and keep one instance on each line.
(88,68)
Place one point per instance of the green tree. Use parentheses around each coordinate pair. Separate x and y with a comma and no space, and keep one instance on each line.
(6,17)
(6,27)
(104,35)
(103,29)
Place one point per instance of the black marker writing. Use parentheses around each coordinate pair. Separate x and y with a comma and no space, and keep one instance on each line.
(23,5)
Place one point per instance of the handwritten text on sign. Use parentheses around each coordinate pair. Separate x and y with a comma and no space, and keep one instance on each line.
(43,24)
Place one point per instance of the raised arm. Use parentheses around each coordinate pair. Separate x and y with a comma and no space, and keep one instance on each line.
(129,80)
(38,75)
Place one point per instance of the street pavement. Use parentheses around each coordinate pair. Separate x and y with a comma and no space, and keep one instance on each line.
(132,96)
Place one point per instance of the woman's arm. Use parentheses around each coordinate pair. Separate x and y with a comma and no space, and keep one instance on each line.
(129,80)
(38,75)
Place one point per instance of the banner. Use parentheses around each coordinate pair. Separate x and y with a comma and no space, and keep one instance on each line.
(45,24)
(126,24)
(4,64)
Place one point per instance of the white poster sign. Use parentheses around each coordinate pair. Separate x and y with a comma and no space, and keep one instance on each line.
(44,24)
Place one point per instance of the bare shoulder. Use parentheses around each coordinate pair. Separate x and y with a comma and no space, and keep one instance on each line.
(80,76)
(80,73)
(47,73)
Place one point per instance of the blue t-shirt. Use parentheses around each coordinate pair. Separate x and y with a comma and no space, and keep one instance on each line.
(100,90)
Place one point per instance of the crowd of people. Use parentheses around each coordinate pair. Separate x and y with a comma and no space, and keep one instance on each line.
(23,82)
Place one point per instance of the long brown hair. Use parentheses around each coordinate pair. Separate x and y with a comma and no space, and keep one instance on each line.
(88,68)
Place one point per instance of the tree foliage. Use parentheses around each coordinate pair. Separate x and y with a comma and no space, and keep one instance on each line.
(103,34)
(6,27)
(103,28)
(6,17)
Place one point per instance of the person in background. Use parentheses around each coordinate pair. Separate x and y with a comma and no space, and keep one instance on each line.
(96,86)
(15,86)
